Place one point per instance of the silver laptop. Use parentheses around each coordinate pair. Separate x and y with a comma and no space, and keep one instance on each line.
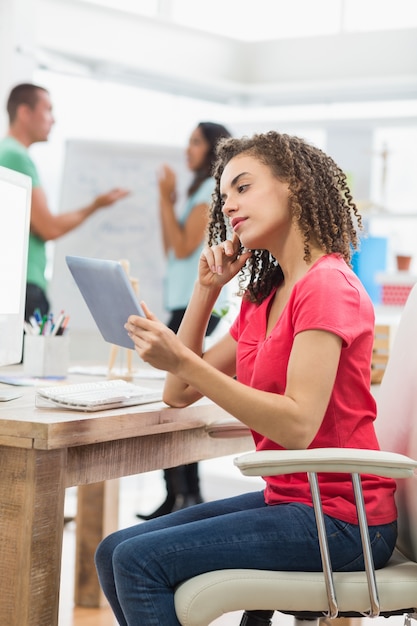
(108,294)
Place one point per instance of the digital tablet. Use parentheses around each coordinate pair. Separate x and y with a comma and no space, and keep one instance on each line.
(108,294)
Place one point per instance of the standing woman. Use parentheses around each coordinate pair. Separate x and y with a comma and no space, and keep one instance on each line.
(183,240)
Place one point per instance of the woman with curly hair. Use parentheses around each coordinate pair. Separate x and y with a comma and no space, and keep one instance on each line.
(295,368)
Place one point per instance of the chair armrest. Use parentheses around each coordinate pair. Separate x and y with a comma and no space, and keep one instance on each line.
(339,460)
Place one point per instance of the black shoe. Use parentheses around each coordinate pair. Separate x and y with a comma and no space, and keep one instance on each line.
(184,501)
(165,508)
(173,504)
(257,618)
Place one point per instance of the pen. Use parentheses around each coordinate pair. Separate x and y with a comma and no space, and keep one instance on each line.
(29,329)
(42,324)
(57,325)
(63,326)
(46,329)
(34,324)
(37,315)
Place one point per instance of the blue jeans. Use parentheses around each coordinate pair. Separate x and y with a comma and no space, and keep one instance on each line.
(140,567)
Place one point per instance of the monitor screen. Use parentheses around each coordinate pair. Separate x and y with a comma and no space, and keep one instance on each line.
(15,203)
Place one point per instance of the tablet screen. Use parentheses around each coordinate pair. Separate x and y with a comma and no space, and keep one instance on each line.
(108,294)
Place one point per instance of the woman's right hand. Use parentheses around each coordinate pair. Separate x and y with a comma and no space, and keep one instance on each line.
(167,183)
(220,263)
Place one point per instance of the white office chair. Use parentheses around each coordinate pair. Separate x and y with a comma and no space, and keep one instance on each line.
(391,590)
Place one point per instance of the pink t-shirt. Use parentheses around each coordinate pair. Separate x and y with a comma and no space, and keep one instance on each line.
(329,297)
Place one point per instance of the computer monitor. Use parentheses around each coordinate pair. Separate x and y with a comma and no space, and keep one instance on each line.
(15,204)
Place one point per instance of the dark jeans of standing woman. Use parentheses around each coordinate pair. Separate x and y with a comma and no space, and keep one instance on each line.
(182,482)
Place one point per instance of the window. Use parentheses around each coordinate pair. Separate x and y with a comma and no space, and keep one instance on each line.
(275,19)
(148,8)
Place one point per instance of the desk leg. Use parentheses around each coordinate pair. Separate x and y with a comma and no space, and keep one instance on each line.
(97,516)
(32,496)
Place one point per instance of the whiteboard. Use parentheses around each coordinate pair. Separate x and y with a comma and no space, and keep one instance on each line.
(130,229)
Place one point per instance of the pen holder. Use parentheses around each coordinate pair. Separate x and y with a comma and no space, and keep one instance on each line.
(46,356)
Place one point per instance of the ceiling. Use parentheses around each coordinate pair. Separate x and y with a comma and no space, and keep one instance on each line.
(105,43)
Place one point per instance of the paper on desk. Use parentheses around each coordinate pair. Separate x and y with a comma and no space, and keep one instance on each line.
(103,370)
(30,381)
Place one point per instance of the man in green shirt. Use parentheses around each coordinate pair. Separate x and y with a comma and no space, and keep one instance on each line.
(30,120)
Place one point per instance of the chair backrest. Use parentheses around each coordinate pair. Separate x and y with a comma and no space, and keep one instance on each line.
(396,423)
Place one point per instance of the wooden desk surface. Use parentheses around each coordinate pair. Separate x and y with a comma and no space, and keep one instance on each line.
(23,425)
(43,451)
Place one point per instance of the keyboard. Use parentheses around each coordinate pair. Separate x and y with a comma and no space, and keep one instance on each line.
(96,395)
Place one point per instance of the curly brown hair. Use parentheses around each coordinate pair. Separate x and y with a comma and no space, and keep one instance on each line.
(320,201)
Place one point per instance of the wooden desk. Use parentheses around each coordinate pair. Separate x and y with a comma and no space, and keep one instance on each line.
(43,451)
